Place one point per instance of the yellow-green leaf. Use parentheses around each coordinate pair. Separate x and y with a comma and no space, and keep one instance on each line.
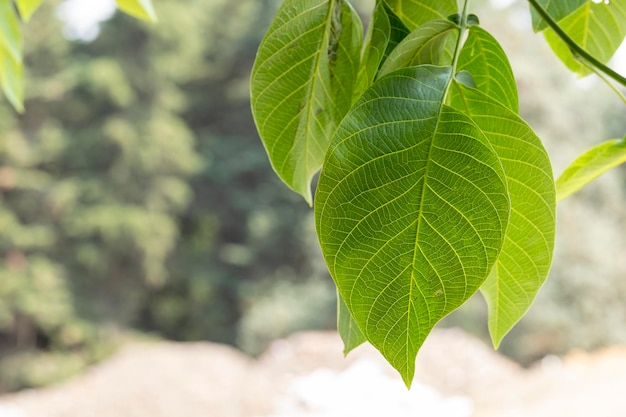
(11,72)
(10,34)
(12,80)
(557,9)
(523,265)
(589,166)
(599,28)
(27,8)
(141,9)
(414,13)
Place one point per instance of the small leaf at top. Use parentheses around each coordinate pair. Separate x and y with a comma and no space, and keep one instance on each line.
(349,331)
(302,84)
(484,58)
(385,32)
(524,263)
(27,8)
(599,28)
(414,13)
(557,9)
(141,9)
(425,45)
(589,166)
(411,210)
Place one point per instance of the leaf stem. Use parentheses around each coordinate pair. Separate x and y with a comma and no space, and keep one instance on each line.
(578,52)
(462,29)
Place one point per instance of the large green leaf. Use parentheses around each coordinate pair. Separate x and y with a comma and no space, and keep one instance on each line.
(483,57)
(385,31)
(348,329)
(589,166)
(599,28)
(524,262)
(415,13)
(141,9)
(425,45)
(411,210)
(302,84)
(557,9)
(27,8)
(11,72)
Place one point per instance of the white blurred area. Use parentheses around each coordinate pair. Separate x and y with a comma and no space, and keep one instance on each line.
(364,390)
(82,18)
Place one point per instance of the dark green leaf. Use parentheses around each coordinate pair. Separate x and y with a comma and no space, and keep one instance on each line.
(411,210)
(590,165)
(524,262)
(302,85)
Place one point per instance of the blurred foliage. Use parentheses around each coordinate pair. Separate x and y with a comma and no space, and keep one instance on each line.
(135,194)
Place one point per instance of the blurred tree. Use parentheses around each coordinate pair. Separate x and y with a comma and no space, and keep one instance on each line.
(135,194)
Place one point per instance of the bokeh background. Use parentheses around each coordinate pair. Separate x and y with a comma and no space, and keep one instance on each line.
(136,200)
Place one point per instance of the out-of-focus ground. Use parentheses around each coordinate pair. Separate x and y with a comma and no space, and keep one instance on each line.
(306,375)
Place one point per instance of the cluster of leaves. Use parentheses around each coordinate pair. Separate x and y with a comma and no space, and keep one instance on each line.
(431,186)
(11,43)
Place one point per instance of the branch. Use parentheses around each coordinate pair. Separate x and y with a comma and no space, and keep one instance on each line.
(578,52)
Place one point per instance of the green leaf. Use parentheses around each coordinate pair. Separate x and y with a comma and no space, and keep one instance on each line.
(384,33)
(411,209)
(27,8)
(524,262)
(11,71)
(349,331)
(557,9)
(10,34)
(425,45)
(483,57)
(141,9)
(302,84)
(589,166)
(415,13)
(598,28)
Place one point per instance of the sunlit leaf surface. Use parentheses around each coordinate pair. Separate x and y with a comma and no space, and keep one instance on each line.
(599,28)
(302,84)
(141,9)
(524,262)
(415,13)
(411,210)
(27,8)
(590,165)
(557,9)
